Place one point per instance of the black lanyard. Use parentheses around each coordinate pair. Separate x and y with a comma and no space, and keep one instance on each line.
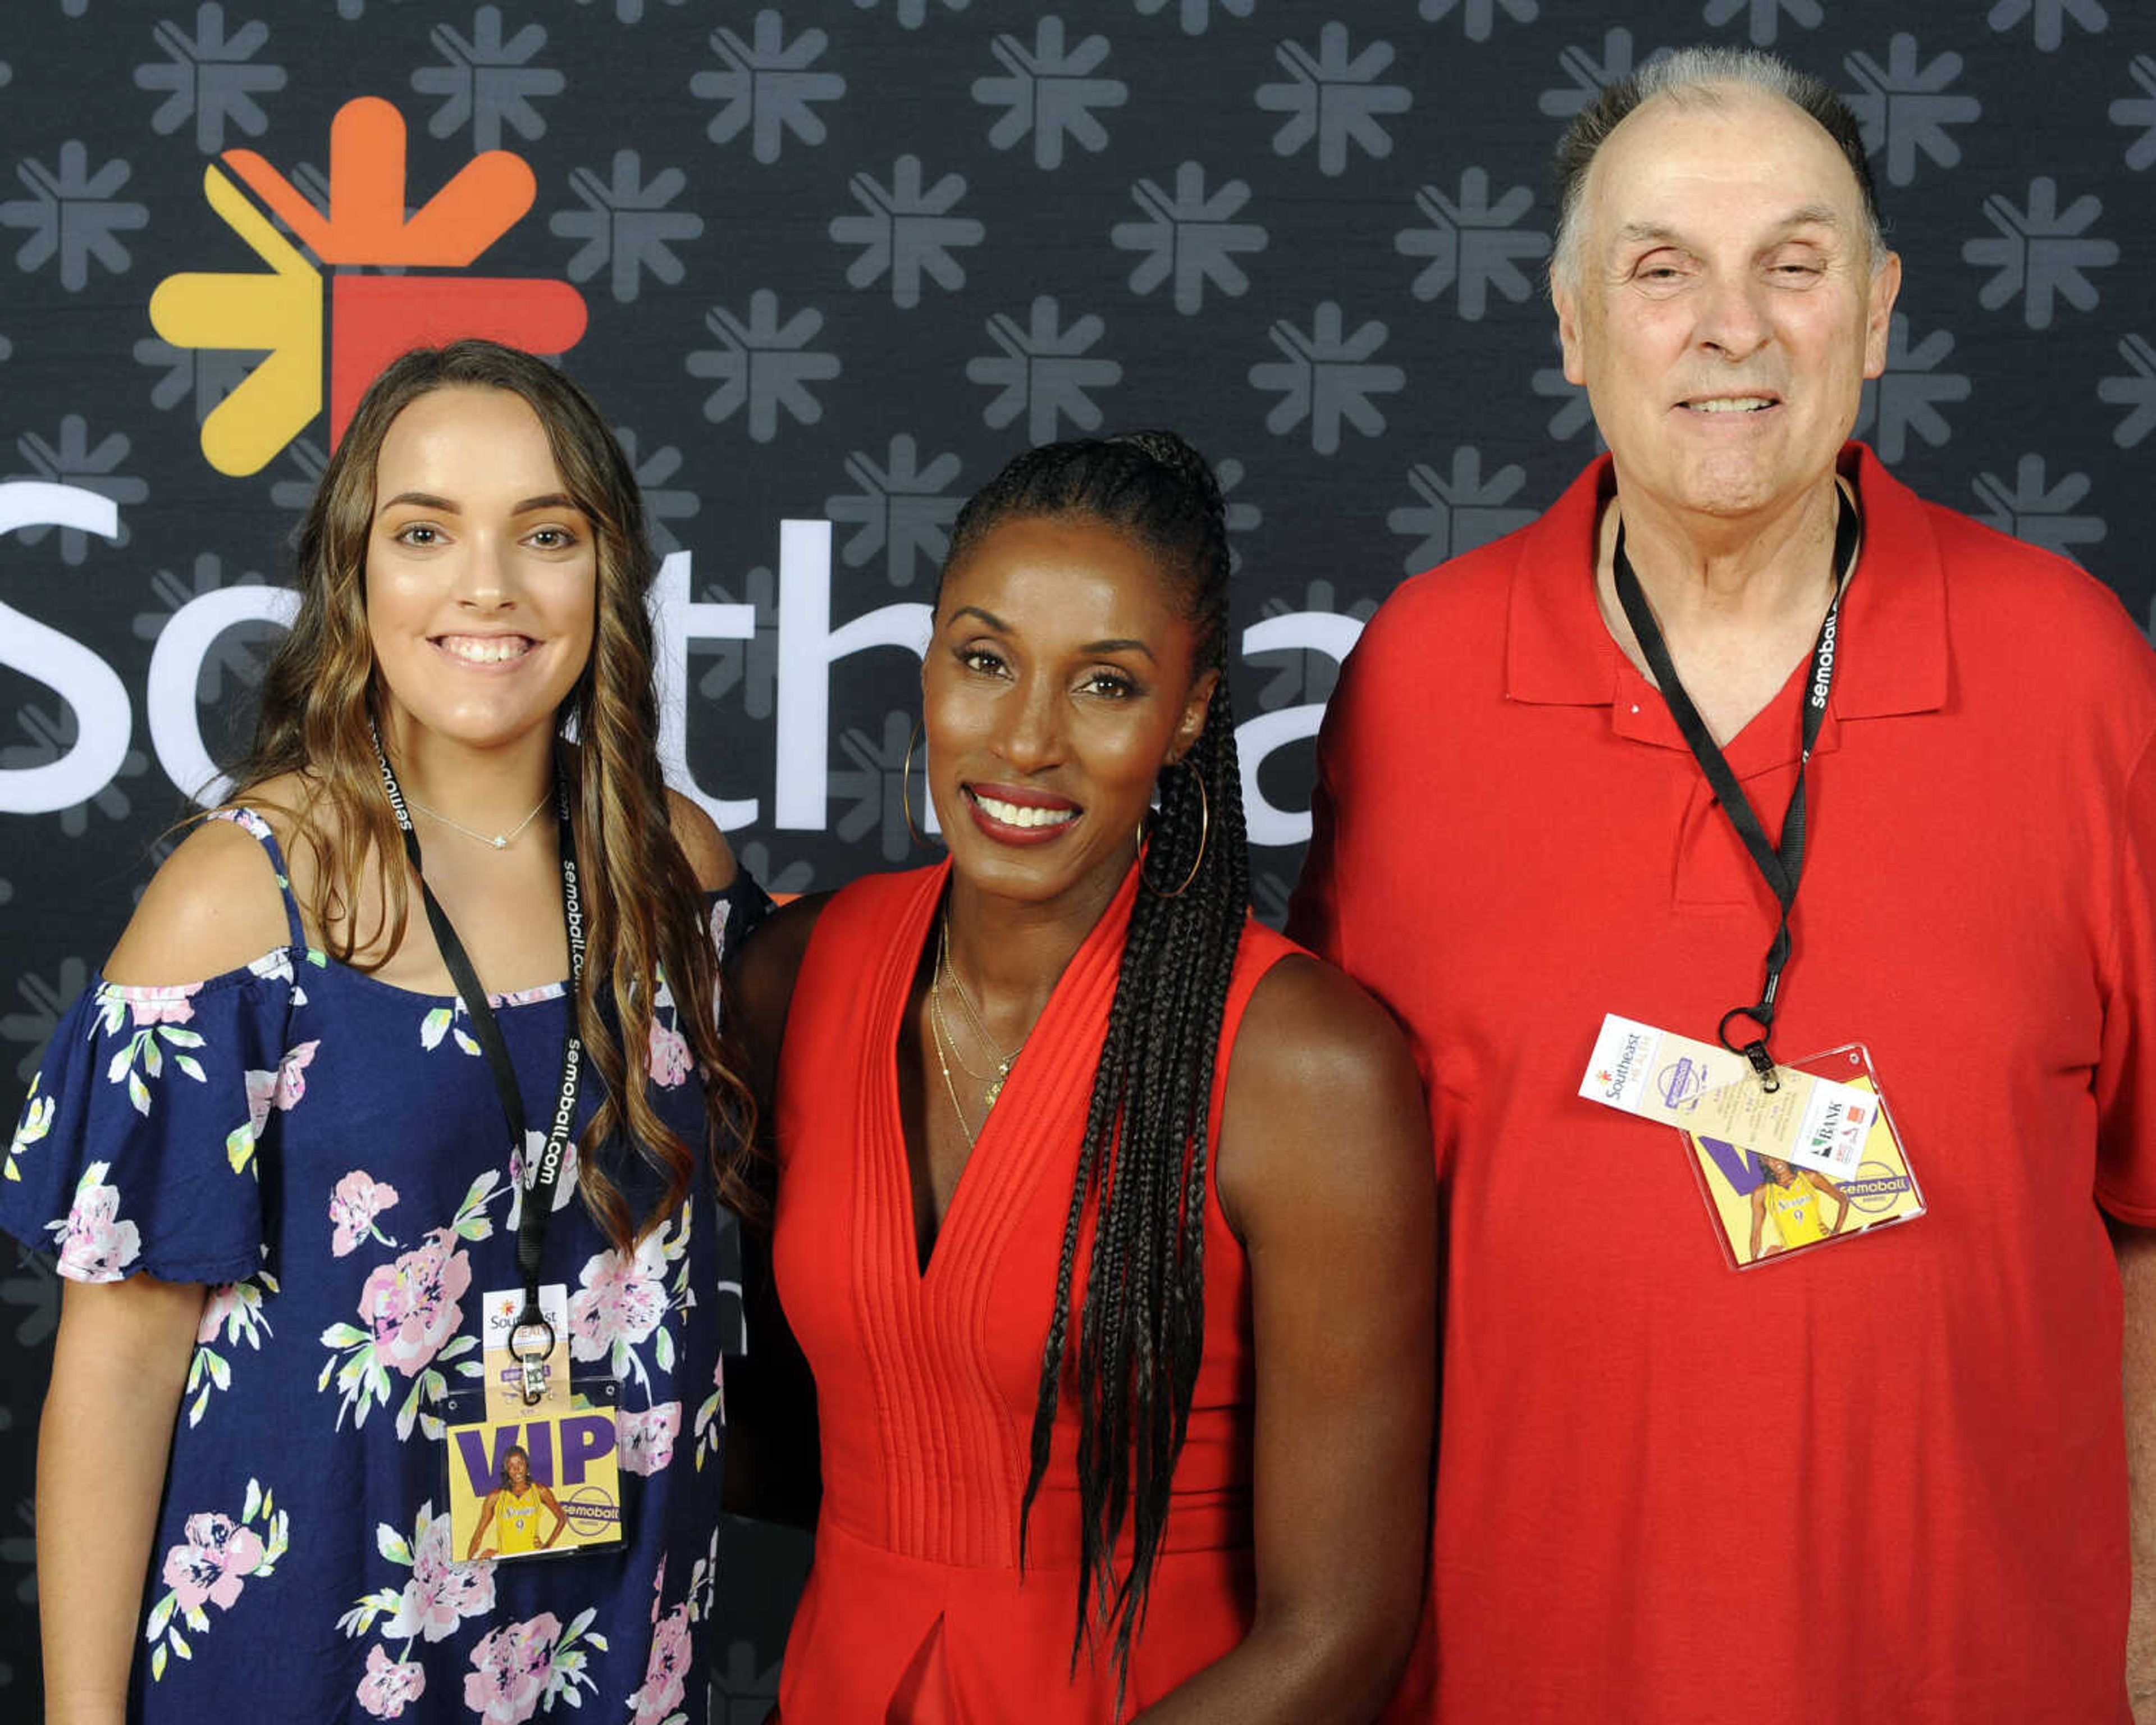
(1782,869)
(533,1338)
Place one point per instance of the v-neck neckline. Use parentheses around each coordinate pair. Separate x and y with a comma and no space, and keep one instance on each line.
(988,1164)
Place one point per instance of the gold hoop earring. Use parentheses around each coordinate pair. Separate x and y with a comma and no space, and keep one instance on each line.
(1205,836)
(905,785)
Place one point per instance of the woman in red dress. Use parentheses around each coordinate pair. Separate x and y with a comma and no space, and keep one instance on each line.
(1105,1218)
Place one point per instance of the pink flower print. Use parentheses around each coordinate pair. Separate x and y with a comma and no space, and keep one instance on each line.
(669,1055)
(160,1005)
(279,1088)
(390,1683)
(441,1592)
(665,1673)
(622,1299)
(218,1554)
(514,1665)
(410,1307)
(220,1304)
(357,1201)
(647,1439)
(94,1244)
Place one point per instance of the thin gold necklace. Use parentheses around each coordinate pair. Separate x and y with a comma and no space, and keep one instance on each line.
(943,1064)
(944,968)
(497,841)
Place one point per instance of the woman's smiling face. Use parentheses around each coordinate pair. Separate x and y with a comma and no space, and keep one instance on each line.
(1060,678)
(481,573)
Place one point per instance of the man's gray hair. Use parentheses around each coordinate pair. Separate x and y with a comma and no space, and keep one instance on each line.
(1697,76)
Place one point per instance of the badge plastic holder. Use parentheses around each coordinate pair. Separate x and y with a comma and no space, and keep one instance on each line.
(1749,1198)
(572,1461)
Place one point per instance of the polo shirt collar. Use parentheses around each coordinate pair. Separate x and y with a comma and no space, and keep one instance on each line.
(1559,652)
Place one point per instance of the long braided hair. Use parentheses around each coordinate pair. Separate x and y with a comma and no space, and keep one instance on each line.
(1143,1162)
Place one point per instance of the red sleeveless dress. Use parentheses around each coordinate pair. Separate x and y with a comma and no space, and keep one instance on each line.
(915,1612)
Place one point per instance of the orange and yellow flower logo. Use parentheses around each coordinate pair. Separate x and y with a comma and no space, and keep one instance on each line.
(341,343)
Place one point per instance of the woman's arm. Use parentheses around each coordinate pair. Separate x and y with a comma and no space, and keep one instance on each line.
(105,1435)
(485,1521)
(1326,1175)
(561,1521)
(121,1361)
(1758,1220)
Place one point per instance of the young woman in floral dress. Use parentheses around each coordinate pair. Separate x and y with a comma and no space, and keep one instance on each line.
(268,1153)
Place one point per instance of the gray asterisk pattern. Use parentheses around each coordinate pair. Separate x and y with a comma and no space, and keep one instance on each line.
(751,667)
(72,460)
(73,213)
(1299,675)
(203,376)
(911,14)
(898,509)
(1479,18)
(873,786)
(1241,516)
(2049,19)
(2134,389)
(2140,112)
(304,460)
(907,230)
(487,81)
(1457,512)
(626,225)
(769,87)
(2040,254)
(207,76)
(1190,236)
(43,1002)
(232,654)
(763,363)
(1473,245)
(663,502)
(34,1290)
(1908,396)
(1333,98)
(629,12)
(1574,413)
(1049,92)
(1045,370)
(50,736)
(1762,18)
(1905,106)
(1194,16)
(2040,512)
(1326,377)
(1587,76)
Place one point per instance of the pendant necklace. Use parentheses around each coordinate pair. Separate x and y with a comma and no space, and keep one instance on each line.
(497,841)
(944,968)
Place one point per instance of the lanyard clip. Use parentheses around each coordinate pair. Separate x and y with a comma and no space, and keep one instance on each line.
(1755,1051)
(532,1345)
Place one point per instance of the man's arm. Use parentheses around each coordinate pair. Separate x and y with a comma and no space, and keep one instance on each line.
(2137,1276)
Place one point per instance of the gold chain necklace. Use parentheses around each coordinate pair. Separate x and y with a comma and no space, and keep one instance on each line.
(943,1063)
(944,968)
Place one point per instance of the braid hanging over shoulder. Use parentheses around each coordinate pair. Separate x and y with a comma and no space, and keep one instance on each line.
(1143,1162)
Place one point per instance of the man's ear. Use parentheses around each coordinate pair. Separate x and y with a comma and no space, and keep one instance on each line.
(1567,331)
(1879,313)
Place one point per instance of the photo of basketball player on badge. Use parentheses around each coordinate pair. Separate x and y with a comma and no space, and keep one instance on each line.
(1767,1210)
(532,1486)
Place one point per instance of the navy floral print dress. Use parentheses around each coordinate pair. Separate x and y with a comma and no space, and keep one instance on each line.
(324,1151)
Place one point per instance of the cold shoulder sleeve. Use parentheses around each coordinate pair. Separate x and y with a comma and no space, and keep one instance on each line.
(138,1149)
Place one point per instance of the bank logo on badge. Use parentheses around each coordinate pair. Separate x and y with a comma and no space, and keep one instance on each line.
(339,340)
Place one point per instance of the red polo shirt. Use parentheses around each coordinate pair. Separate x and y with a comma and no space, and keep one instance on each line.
(1883,1481)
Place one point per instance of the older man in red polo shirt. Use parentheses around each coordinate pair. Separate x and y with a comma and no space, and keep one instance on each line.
(1743,737)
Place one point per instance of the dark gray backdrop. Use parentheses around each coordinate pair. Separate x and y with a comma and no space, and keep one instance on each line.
(839,259)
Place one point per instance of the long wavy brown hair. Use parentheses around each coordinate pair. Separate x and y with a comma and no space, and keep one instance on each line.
(642,908)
